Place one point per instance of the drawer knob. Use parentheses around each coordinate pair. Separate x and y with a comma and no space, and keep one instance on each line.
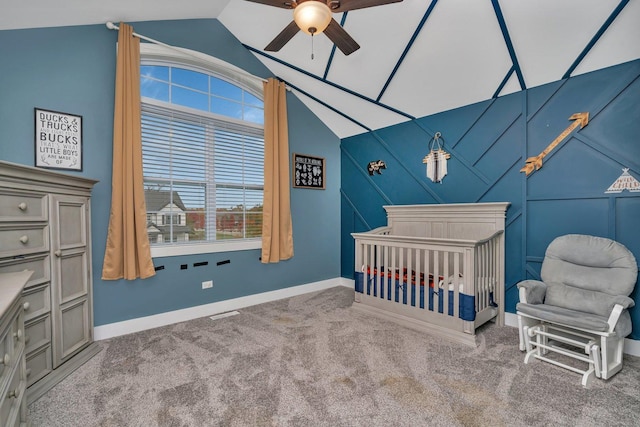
(5,360)
(22,206)
(26,306)
(18,335)
(13,393)
(24,239)
(58,253)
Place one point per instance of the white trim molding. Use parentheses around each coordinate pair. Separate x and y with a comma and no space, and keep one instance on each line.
(125,327)
(631,347)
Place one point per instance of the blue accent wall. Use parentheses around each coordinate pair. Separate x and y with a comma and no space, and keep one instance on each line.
(489,143)
(72,69)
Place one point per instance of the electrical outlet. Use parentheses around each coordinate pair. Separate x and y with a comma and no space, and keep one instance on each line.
(208,284)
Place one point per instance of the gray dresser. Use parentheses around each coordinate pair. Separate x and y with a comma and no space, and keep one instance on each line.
(13,373)
(45,228)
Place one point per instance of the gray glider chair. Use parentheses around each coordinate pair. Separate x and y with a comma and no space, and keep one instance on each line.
(580,308)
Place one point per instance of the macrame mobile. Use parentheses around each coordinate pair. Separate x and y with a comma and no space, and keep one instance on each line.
(436,160)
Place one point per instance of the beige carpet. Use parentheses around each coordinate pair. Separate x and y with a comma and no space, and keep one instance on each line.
(313,361)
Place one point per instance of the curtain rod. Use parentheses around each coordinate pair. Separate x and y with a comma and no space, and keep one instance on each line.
(110,25)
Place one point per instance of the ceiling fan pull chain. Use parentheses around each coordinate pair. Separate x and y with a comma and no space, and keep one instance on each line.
(312,46)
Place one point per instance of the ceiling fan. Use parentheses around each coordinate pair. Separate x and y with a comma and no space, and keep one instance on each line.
(314,17)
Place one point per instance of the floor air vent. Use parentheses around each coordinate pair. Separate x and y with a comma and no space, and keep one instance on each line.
(223,315)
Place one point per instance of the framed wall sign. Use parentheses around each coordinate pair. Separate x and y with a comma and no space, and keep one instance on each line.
(58,140)
(308,172)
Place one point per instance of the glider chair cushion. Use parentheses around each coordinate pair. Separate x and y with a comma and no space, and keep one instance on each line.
(584,280)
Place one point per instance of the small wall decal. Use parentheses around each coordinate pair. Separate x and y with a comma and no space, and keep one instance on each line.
(436,160)
(375,166)
(535,163)
(624,182)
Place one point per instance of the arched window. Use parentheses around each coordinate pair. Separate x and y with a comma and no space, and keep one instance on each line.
(203,154)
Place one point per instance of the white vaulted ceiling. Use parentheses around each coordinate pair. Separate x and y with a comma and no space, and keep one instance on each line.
(417,57)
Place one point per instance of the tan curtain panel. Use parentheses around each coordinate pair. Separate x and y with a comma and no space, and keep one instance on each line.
(277,230)
(127,253)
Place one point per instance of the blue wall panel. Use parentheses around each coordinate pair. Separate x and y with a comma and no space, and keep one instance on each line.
(504,153)
(453,127)
(548,219)
(489,143)
(479,141)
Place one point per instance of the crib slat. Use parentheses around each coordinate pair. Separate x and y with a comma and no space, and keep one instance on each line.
(486,255)
(380,275)
(480,277)
(428,269)
(419,284)
(392,272)
(372,268)
(456,284)
(410,273)
(445,286)
(401,281)
(484,252)
(367,263)
(436,280)
(384,249)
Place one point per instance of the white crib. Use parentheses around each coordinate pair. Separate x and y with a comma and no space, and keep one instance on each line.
(429,257)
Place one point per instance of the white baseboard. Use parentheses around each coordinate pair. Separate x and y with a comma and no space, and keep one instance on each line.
(149,322)
(511,319)
(631,347)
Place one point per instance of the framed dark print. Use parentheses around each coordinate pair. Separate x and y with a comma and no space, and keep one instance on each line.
(58,140)
(308,172)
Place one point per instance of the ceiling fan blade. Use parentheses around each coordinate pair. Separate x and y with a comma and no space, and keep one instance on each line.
(346,5)
(285,4)
(341,38)
(282,38)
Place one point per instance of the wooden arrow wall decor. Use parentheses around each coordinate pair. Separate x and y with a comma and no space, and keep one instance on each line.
(535,163)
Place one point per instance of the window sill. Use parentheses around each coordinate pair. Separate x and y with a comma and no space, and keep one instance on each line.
(204,248)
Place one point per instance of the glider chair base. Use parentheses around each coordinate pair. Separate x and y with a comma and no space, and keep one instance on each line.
(578,312)
(600,351)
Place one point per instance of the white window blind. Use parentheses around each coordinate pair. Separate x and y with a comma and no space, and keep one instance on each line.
(205,167)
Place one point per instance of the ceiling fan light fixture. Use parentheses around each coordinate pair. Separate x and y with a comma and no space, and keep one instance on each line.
(312,17)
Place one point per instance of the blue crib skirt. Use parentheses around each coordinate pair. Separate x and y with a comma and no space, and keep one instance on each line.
(466,303)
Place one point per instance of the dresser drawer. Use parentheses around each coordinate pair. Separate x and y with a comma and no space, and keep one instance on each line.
(15,206)
(39,364)
(39,264)
(15,419)
(37,333)
(7,356)
(11,346)
(12,397)
(36,301)
(23,239)
(15,416)
(16,334)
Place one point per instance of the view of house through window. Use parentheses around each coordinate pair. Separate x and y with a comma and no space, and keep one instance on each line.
(203,148)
